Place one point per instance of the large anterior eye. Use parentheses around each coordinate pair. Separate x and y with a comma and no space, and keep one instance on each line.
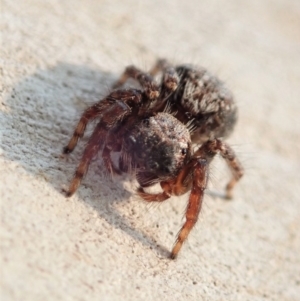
(183,151)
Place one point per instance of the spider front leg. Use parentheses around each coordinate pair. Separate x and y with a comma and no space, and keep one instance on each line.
(205,154)
(199,183)
(89,114)
(95,111)
(114,109)
(192,176)
(91,149)
(145,80)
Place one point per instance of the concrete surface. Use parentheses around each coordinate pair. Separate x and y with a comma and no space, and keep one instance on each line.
(57,57)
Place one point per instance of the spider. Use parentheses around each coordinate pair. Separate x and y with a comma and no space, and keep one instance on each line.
(166,132)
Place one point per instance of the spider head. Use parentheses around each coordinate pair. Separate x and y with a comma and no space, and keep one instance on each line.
(159,145)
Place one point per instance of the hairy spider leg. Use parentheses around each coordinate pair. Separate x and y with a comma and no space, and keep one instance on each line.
(194,176)
(205,154)
(91,149)
(89,114)
(170,77)
(115,111)
(145,80)
(193,209)
(169,83)
(214,146)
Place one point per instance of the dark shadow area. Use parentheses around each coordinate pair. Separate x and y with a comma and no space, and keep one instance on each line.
(40,114)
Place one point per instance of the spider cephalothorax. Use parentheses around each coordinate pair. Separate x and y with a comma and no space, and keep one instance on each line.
(166,133)
(158,145)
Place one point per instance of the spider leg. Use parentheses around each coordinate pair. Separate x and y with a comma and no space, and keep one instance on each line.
(235,166)
(204,156)
(91,149)
(116,107)
(145,80)
(89,114)
(169,83)
(194,176)
(95,111)
(199,183)
(210,148)
(170,76)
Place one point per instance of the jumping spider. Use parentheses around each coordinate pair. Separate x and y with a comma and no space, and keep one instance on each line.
(166,133)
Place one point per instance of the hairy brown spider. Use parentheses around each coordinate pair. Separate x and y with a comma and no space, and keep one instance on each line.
(166,133)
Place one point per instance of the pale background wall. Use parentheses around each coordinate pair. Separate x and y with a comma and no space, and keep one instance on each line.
(104,243)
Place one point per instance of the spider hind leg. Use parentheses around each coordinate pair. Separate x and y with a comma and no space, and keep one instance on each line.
(144,79)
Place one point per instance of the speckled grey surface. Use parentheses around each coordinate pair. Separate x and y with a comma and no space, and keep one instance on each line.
(104,243)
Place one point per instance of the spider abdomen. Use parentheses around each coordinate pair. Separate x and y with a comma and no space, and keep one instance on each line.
(203,98)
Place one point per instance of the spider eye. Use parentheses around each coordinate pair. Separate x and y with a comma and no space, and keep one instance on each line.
(183,151)
(153,165)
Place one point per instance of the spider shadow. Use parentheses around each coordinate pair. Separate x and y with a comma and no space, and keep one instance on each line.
(218,194)
(47,105)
